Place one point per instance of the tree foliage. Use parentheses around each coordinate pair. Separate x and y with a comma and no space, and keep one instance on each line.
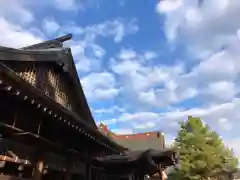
(202,152)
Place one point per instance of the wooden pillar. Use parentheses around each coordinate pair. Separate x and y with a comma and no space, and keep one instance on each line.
(140,177)
(70,167)
(68,175)
(38,169)
(88,171)
(136,177)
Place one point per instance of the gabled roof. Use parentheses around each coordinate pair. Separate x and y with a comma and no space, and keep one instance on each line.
(54,43)
(139,141)
(52,51)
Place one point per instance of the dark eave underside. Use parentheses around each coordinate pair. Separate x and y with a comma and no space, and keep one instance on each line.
(138,161)
(37,141)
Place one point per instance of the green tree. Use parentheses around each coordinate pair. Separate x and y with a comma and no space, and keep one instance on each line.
(202,152)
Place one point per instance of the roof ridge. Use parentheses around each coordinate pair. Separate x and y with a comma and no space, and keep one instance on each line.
(147,132)
(57,42)
(103,125)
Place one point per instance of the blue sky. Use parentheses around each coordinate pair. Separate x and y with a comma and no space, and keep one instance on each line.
(144,65)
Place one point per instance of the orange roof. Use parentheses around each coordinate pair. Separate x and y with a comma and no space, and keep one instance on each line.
(139,141)
(145,135)
(105,130)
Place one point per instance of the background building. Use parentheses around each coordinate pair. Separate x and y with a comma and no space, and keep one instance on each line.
(139,141)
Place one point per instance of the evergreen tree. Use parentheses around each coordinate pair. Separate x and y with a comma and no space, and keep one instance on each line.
(202,152)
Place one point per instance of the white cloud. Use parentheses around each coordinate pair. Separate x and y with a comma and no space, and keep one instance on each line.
(117,28)
(87,52)
(122,131)
(146,125)
(82,62)
(110,110)
(50,26)
(161,85)
(156,85)
(103,93)
(168,6)
(150,55)
(130,54)
(141,75)
(15,36)
(85,62)
(205,28)
(222,65)
(126,54)
(166,96)
(140,117)
(98,51)
(110,121)
(15,12)
(14,16)
(88,57)
(225,124)
(217,114)
(67,5)
(210,32)
(221,90)
(100,86)
(121,30)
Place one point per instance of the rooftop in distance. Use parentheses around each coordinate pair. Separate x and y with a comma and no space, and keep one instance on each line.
(139,141)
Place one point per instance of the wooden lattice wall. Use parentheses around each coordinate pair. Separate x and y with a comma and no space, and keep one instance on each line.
(48,79)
